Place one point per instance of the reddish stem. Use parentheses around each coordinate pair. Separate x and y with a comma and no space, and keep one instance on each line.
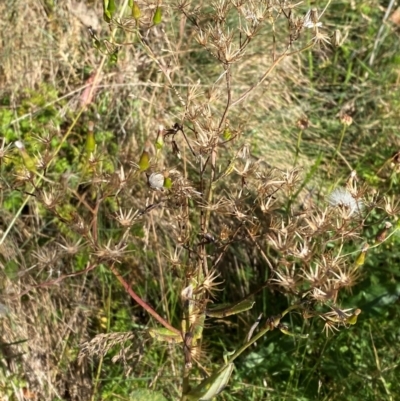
(143,304)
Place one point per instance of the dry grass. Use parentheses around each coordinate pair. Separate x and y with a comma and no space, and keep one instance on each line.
(50,325)
(55,48)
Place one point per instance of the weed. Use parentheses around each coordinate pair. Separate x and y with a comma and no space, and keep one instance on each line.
(168,200)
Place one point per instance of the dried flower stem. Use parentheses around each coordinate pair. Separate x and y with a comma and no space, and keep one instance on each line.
(140,301)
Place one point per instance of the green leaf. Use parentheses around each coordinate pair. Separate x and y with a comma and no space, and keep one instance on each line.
(108,10)
(228,310)
(211,387)
(164,334)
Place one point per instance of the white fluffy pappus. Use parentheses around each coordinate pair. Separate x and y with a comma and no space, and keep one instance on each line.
(341,197)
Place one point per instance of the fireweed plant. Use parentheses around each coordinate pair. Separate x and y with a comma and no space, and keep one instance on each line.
(196,195)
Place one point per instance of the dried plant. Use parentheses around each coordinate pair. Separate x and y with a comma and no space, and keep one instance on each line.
(195,196)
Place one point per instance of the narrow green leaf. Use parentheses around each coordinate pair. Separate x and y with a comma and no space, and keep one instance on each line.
(111,7)
(211,387)
(108,10)
(163,334)
(228,310)
(106,13)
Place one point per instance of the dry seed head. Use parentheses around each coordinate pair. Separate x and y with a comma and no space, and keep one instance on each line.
(175,257)
(317,221)
(328,262)
(49,199)
(111,252)
(221,8)
(341,198)
(47,256)
(345,279)
(46,140)
(126,218)
(202,38)
(301,250)
(23,174)
(292,177)
(226,233)
(69,248)
(210,285)
(316,276)
(42,160)
(303,123)
(351,183)
(256,14)
(287,279)
(278,241)
(330,327)
(311,20)
(392,207)
(267,205)
(121,177)
(346,119)
(324,295)
(320,39)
